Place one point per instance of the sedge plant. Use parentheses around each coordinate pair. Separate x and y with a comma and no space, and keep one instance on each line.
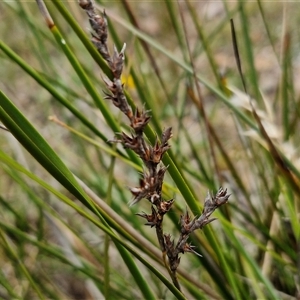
(170,112)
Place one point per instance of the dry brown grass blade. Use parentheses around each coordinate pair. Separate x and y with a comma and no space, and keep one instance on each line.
(272,149)
(200,97)
(285,171)
(146,47)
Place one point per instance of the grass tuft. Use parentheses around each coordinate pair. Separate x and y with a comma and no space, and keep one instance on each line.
(187,107)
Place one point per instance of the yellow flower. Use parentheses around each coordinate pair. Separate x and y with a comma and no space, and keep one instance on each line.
(128,81)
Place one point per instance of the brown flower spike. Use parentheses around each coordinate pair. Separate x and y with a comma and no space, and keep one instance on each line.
(150,187)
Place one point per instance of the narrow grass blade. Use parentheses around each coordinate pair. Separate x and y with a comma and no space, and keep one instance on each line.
(120,244)
(8,247)
(44,83)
